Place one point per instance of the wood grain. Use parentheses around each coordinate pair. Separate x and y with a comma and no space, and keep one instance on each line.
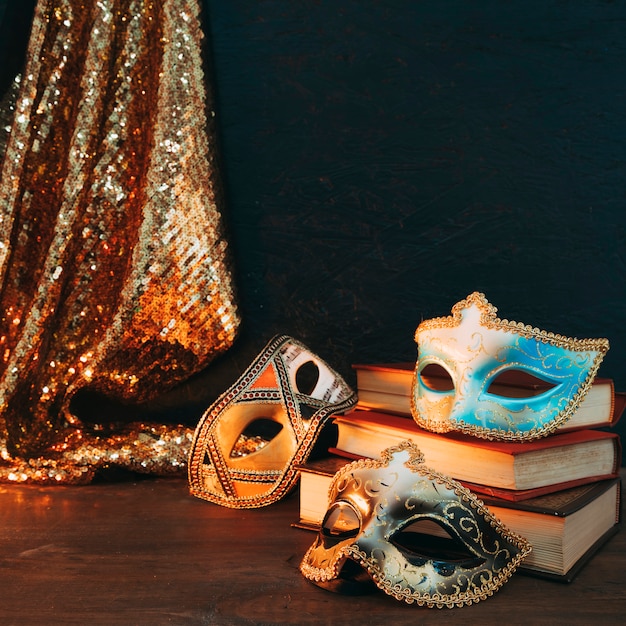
(147,552)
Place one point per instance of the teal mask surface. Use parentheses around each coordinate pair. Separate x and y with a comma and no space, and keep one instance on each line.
(466,360)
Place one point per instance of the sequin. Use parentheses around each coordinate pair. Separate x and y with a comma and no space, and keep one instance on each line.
(114,265)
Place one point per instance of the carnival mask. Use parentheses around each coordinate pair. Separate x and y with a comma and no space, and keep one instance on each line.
(474,349)
(248,443)
(367,535)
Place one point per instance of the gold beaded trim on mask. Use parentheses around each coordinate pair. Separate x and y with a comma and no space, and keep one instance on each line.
(249,391)
(490,320)
(458,599)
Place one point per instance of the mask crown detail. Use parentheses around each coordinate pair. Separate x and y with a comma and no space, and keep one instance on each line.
(473,348)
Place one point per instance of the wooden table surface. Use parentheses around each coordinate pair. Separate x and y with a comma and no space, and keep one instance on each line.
(146,552)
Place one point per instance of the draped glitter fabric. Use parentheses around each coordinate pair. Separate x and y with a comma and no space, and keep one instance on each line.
(114,267)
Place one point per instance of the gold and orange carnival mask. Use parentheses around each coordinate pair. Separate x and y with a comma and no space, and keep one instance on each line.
(248,444)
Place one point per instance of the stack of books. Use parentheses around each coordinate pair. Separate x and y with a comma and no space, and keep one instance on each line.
(561,492)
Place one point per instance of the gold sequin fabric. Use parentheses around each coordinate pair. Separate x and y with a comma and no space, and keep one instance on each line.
(114,266)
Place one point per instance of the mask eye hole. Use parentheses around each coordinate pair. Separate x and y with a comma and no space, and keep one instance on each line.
(307,377)
(518,383)
(255,436)
(426,540)
(436,377)
(341,521)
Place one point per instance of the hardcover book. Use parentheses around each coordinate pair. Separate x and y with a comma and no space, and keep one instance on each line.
(549,464)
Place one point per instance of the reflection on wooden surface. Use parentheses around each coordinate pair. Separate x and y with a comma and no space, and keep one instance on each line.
(147,552)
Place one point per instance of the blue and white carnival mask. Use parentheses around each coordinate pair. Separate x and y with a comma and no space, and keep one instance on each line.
(474,348)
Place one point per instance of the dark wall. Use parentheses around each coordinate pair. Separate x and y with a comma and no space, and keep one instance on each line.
(385,159)
(382,160)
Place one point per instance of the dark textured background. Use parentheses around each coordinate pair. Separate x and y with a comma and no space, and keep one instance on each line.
(382,160)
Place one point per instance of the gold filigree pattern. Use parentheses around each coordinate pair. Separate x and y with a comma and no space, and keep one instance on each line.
(407,492)
(473,346)
(113,259)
